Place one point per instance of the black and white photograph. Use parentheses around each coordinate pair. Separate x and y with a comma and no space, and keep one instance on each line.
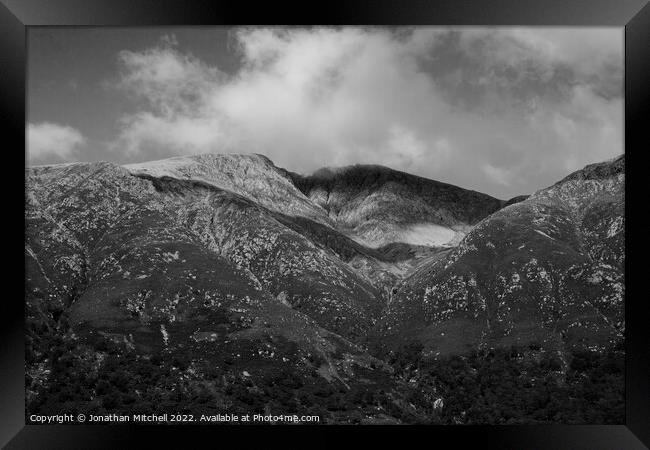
(360,225)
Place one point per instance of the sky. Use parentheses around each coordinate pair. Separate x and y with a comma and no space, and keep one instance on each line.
(505,111)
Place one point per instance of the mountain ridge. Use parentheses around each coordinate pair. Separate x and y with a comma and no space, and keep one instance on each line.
(554,260)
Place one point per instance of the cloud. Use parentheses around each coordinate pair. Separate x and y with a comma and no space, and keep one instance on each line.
(498,175)
(174,87)
(52,142)
(504,111)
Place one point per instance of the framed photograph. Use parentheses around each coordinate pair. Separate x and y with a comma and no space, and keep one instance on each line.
(379,215)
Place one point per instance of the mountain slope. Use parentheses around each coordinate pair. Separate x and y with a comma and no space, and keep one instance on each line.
(250,175)
(548,270)
(110,262)
(376,205)
(285,263)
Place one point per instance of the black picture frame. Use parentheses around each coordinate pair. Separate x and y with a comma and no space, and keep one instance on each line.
(16,16)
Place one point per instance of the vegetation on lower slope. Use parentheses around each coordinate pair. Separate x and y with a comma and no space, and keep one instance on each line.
(516,385)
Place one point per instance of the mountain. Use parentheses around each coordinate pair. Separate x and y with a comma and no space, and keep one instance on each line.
(251,175)
(547,271)
(215,283)
(282,262)
(114,259)
(377,206)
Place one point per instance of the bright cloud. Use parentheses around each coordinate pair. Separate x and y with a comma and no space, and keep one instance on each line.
(505,111)
(53,141)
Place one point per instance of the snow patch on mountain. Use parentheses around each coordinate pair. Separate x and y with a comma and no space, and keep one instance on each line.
(427,234)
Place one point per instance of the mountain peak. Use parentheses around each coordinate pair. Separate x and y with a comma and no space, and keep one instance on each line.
(250,175)
(171,166)
(598,171)
(377,205)
(329,172)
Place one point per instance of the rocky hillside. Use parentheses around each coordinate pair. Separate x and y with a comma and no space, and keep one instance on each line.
(282,262)
(182,269)
(222,282)
(377,206)
(249,175)
(547,271)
